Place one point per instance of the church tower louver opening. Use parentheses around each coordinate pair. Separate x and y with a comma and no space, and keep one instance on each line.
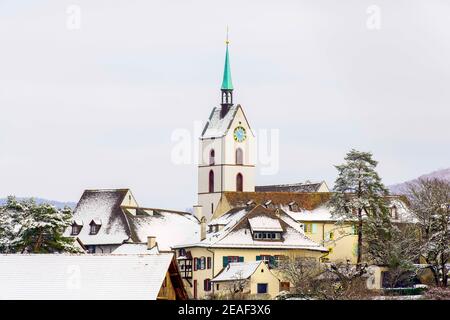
(227,150)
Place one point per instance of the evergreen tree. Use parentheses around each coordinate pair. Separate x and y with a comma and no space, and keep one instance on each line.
(28,227)
(359,196)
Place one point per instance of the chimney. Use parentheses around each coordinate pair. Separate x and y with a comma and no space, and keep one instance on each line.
(198,212)
(203,228)
(151,242)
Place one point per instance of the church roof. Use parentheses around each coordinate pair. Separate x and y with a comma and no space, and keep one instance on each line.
(293,187)
(218,126)
(305,200)
(226,83)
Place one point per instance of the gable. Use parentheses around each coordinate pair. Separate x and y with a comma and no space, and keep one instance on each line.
(217,127)
(104,208)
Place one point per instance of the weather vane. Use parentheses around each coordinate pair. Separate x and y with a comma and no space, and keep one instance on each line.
(227,41)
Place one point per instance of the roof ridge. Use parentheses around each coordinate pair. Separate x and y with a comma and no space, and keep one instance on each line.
(157,209)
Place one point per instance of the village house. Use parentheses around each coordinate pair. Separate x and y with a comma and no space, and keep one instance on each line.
(103,220)
(247,234)
(246,278)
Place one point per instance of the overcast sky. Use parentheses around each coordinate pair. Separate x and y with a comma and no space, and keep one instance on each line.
(95,107)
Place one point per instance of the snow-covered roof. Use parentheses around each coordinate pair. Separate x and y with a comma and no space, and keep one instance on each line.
(85,276)
(217,126)
(78,222)
(135,248)
(102,207)
(238,234)
(322,213)
(170,228)
(120,223)
(237,271)
(264,223)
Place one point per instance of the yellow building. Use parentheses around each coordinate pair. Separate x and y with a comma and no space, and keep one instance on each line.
(247,234)
(247,278)
(310,209)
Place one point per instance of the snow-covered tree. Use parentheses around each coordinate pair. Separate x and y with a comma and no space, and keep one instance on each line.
(430,204)
(28,227)
(359,197)
(9,224)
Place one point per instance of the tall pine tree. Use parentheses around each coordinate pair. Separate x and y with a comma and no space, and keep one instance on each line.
(359,196)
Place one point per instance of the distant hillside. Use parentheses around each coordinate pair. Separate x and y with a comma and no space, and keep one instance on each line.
(57,204)
(439,174)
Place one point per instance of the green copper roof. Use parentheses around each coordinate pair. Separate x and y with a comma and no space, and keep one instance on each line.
(226,83)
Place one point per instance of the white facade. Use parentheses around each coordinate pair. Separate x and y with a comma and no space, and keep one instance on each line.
(219,138)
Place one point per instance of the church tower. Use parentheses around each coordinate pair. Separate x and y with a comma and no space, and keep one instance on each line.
(227,150)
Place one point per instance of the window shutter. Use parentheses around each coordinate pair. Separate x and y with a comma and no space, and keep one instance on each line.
(272,261)
(225,261)
(258,258)
(314,228)
(208,262)
(241,259)
(195,264)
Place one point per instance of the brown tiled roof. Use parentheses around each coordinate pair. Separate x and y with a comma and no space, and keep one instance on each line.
(305,200)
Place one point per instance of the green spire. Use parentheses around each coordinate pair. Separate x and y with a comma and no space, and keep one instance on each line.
(226,83)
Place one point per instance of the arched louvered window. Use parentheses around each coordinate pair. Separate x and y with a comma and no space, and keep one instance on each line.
(239,182)
(212,155)
(239,156)
(211,181)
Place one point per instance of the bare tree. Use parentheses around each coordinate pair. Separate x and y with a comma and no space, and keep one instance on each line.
(235,289)
(311,279)
(430,204)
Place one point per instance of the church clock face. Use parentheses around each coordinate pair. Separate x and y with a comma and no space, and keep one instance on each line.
(239,134)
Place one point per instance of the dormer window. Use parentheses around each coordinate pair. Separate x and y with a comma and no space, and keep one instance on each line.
(394,212)
(265,228)
(259,235)
(293,206)
(269,204)
(95,226)
(76,227)
(214,228)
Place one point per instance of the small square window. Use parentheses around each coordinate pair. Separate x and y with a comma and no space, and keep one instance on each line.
(262,287)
